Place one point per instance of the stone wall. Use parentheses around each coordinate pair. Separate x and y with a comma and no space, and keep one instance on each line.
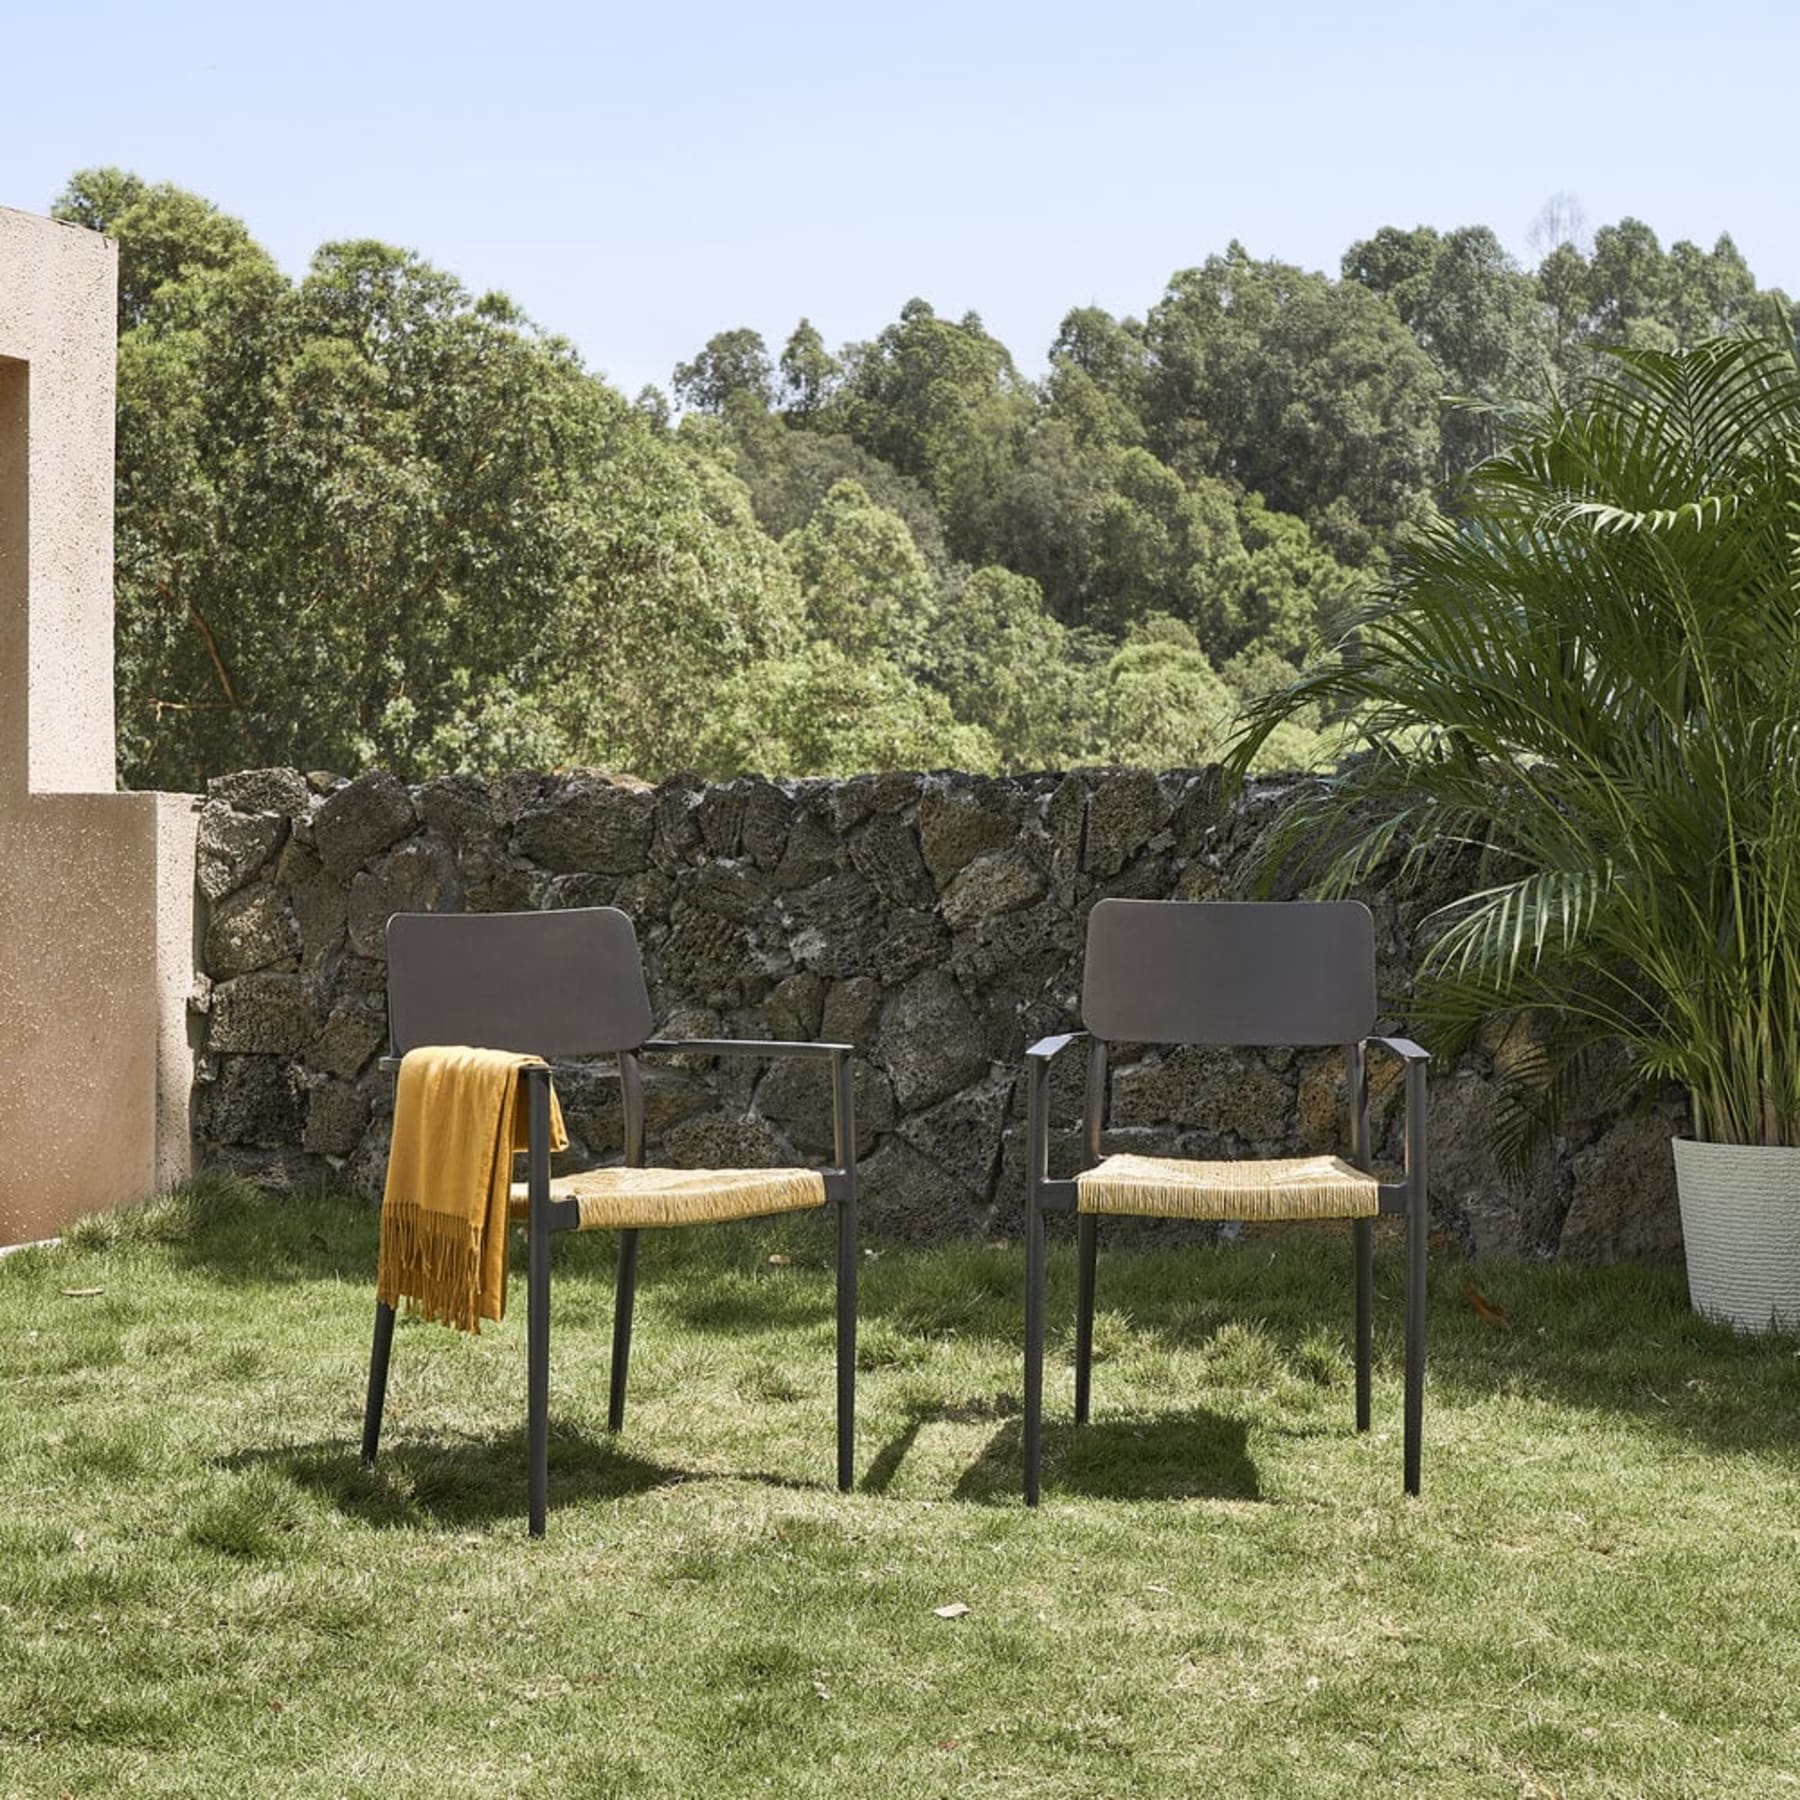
(934,921)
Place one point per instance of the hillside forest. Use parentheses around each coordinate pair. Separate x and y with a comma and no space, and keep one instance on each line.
(371,519)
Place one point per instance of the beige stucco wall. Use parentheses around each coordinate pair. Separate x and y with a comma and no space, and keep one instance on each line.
(96,887)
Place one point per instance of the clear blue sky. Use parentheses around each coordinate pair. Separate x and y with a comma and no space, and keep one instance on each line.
(640,176)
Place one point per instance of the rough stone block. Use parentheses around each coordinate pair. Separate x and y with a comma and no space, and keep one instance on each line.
(912,941)
(588,1093)
(796,1095)
(930,1041)
(251,929)
(677,836)
(793,1006)
(711,959)
(360,821)
(460,809)
(720,1140)
(1195,809)
(1126,808)
(1495,1211)
(1624,1195)
(908,1197)
(589,824)
(851,1011)
(337,1114)
(255,1100)
(1220,1091)
(831,925)
(812,851)
(735,890)
(420,876)
(886,854)
(351,1036)
(768,818)
(233,846)
(264,1014)
(321,905)
(722,816)
(957,823)
(999,882)
(963,1133)
(263,791)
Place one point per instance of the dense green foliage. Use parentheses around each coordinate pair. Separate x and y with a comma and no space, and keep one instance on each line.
(1592,677)
(369,517)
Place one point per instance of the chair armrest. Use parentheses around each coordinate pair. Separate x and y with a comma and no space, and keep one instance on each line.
(744,1047)
(1416,1058)
(1037,1104)
(390,1065)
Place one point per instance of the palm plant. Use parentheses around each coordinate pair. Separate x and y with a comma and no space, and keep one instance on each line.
(1585,683)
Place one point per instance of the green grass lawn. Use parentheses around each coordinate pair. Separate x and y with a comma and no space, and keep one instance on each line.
(1223,1593)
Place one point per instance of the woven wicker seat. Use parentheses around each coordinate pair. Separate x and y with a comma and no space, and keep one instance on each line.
(622,1199)
(1295,1187)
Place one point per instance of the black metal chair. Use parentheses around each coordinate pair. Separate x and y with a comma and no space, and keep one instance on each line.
(1223,972)
(571,984)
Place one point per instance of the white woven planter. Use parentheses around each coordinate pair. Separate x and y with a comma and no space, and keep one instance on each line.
(1740,1222)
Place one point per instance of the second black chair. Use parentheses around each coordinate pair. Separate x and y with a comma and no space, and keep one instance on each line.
(1223,972)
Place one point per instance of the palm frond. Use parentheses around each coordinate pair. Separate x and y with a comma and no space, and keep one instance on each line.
(1581,694)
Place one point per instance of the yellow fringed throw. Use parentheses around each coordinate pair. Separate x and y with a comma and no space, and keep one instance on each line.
(1167,1187)
(459,1115)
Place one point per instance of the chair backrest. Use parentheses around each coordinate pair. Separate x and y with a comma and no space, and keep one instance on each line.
(1230,972)
(565,983)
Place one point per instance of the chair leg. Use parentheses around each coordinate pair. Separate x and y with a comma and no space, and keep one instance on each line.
(846,1339)
(1363,1254)
(1034,1348)
(1087,1242)
(378,1376)
(624,1297)
(1415,1339)
(538,1373)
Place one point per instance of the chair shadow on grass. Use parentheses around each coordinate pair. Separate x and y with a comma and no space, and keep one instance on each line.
(1196,1454)
(462,1481)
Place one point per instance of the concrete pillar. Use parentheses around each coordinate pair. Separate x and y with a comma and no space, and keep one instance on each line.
(96,887)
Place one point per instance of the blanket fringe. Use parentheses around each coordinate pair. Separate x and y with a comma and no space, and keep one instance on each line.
(434,1260)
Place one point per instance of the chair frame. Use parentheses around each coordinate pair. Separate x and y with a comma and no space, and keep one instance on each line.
(547,1217)
(1044,1196)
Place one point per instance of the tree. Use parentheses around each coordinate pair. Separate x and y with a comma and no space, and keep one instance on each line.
(789,470)
(1006,665)
(1708,293)
(1474,312)
(866,588)
(166,236)
(1163,705)
(1628,287)
(822,712)
(1098,370)
(1272,588)
(809,373)
(734,366)
(943,404)
(1309,392)
(370,519)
